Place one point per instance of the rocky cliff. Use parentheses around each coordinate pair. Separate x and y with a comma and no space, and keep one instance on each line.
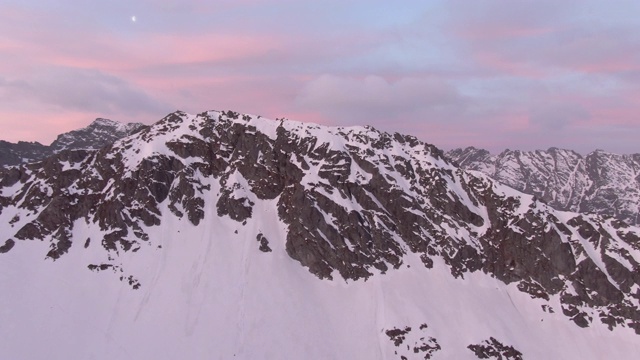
(21,152)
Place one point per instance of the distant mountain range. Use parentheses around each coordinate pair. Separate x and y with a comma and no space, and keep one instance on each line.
(99,133)
(225,235)
(599,183)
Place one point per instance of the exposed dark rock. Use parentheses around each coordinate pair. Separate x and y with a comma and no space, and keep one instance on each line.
(60,244)
(133,282)
(428,347)
(493,348)
(418,341)
(99,133)
(16,154)
(238,209)
(100,267)
(264,243)
(8,245)
(397,336)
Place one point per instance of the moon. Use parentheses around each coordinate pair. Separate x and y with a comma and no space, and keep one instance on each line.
(133,18)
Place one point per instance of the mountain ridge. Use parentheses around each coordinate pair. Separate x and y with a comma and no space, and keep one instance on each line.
(351,205)
(95,135)
(600,182)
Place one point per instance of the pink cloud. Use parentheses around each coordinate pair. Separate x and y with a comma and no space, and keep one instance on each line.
(612,65)
(500,32)
(372,93)
(38,37)
(49,124)
(199,48)
(616,116)
(305,116)
(119,55)
(504,65)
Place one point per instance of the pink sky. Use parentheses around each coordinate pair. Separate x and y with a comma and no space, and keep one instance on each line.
(493,74)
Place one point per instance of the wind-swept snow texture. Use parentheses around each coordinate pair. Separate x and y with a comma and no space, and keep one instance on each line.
(221,236)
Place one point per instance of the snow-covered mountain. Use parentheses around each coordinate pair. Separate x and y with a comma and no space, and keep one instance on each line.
(221,235)
(601,183)
(99,133)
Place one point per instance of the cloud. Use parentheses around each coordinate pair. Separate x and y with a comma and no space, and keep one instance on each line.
(80,90)
(543,37)
(44,123)
(557,117)
(495,73)
(374,98)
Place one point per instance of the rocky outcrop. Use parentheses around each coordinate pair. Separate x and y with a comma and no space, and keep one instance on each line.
(494,349)
(410,341)
(99,133)
(21,152)
(355,202)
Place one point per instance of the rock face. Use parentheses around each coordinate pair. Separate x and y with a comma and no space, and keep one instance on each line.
(356,203)
(416,342)
(600,183)
(21,152)
(494,349)
(99,133)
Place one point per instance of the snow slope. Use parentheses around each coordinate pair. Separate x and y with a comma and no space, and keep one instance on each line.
(209,293)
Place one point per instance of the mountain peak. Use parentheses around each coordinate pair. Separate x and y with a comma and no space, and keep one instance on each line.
(97,134)
(104,122)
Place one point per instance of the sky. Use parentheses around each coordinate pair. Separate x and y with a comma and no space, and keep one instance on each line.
(492,74)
